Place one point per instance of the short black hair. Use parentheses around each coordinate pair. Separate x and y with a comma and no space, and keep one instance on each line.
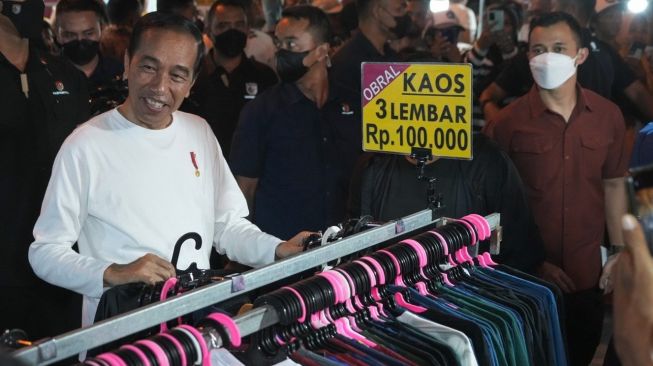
(167,21)
(550,19)
(235,3)
(363,8)
(96,6)
(121,11)
(173,6)
(318,22)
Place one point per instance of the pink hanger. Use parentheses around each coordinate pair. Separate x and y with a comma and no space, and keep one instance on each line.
(111,359)
(443,242)
(399,298)
(231,326)
(178,346)
(167,286)
(159,354)
(423,261)
(143,358)
(302,318)
(206,360)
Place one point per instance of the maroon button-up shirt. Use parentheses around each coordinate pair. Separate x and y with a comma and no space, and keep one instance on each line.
(563,166)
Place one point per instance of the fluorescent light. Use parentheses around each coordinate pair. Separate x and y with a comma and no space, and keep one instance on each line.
(439,5)
(635,6)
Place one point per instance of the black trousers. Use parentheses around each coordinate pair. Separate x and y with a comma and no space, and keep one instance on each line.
(584,323)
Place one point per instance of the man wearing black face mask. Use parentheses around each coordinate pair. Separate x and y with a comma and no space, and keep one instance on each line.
(78,27)
(379,21)
(43,98)
(228,79)
(283,155)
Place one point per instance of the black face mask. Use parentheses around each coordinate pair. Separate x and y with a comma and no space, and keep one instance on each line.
(230,43)
(27,16)
(290,65)
(403,25)
(81,52)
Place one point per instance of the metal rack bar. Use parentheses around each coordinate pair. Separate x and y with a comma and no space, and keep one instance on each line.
(69,344)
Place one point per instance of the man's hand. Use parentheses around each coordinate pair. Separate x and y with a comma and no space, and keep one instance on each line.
(292,246)
(149,269)
(554,274)
(633,296)
(606,283)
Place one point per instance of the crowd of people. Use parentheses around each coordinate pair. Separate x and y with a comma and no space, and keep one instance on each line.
(122,135)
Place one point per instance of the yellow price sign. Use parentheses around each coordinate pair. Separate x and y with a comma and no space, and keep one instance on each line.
(417,105)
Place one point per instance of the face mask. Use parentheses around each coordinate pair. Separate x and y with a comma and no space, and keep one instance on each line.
(290,65)
(550,70)
(81,52)
(230,43)
(27,16)
(403,24)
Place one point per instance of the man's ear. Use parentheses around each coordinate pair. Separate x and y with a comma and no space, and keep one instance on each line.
(583,54)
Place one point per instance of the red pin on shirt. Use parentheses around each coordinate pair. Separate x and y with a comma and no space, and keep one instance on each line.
(194,160)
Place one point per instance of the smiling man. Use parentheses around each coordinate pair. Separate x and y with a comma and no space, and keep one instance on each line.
(567,143)
(136,184)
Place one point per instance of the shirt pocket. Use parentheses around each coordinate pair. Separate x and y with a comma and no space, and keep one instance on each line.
(594,152)
(532,155)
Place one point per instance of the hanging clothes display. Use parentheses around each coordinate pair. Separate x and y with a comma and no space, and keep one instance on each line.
(465,315)
(422,301)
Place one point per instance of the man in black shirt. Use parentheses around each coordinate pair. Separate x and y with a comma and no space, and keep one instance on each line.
(228,79)
(386,187)
(43,98)
(378,22)
(282,153)
(78,26)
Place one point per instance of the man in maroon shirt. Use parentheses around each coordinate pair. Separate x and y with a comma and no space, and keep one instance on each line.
(567,143)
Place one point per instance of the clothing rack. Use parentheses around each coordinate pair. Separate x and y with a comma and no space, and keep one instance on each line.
(51,350)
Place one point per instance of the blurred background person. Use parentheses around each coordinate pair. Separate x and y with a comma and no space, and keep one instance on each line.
(467,19)
(607,21)
(44,97)
(49,39)
(122,16)
(496,46)
(228,79)
(79,25)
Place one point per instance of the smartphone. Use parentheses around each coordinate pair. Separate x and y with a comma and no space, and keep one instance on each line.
(640,197)
(496,19)
(449,34)
(636,50)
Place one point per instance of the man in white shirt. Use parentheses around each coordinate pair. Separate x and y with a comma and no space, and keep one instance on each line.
(144,185)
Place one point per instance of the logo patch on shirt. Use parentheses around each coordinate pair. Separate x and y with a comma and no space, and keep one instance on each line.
(193,159)
(251,89)
(16,8)
(60,89)
(345,109)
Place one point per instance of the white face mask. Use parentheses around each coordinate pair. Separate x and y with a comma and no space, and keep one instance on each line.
(550,70)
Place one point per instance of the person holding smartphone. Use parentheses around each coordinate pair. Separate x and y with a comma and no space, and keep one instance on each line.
(442,37)
(496,45)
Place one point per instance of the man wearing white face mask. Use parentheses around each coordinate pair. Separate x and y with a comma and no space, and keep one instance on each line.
(568,145)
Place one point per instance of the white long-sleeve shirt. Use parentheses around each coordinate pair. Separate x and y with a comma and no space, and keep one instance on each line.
(120,191)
